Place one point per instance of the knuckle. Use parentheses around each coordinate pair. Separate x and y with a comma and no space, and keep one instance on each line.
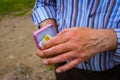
(54,60)
(52,42)
(45,45)
(39,55)
(63,58)
(45,53)
(64,47)
(66,68)
(67,46)
(64,30)
(55,41)
(78,61)
(51,61)
(37,52)
(72,65)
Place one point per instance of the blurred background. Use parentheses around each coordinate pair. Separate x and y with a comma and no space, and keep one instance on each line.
(17,49)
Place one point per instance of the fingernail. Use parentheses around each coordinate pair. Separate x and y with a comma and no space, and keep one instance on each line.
(58,71)
(45,62)
(42,47)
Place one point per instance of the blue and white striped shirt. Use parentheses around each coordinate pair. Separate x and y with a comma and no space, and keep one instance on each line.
(97,14)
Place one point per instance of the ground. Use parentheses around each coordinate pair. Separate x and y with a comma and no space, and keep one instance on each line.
(18,60)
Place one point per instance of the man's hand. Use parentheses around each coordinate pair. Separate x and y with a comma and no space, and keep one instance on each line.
(76,45)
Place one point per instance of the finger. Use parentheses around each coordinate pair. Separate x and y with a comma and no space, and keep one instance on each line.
(39,53)
(58,39)
(58,59)
(56,50)
(68,65)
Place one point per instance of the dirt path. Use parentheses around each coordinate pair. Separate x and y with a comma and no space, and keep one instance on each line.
(17,51)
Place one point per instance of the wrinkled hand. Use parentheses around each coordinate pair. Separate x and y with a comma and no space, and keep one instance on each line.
(76,44)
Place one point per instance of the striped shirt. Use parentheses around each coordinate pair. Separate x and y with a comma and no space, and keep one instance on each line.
(97,14)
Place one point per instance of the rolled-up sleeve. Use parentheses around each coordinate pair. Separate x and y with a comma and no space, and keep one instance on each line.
(43,9)
(117,52)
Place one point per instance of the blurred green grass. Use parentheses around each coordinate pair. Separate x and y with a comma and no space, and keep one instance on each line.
(10,6)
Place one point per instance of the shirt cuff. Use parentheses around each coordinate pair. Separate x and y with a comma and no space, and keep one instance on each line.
(41,13)
(117,52)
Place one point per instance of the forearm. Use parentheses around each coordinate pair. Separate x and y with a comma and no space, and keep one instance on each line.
(47,21)
(107,39)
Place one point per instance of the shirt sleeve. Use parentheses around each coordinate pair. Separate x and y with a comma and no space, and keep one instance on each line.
(116,56)
(42,10)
